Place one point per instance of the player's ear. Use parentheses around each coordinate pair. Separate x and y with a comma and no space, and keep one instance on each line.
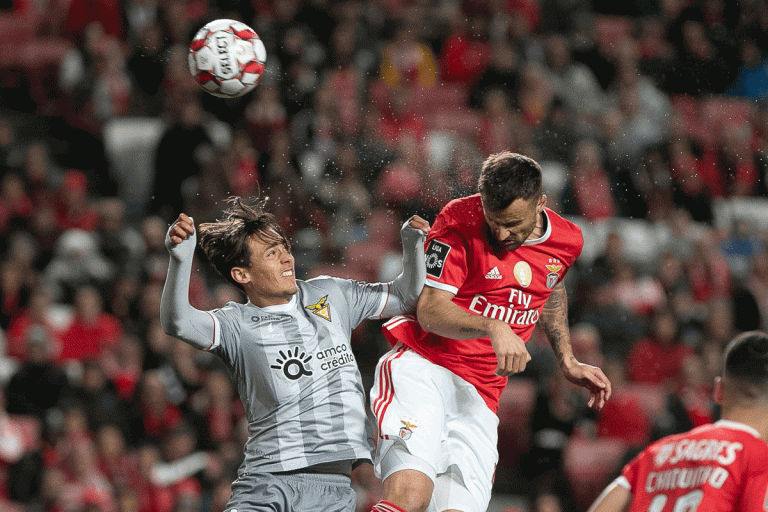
(542,203)
(239,275)
(717,390)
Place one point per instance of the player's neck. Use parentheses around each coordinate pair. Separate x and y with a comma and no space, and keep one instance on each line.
(541,226)
(755,417)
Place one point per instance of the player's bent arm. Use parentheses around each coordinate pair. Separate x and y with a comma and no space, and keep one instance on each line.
(407,286)
(554,323)
(438,314)
(615,498)
(177,316)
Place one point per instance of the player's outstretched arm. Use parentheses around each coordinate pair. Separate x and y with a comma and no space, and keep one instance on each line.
(406,287)
(615,498)
(177,317)
(437,313)
(554,322)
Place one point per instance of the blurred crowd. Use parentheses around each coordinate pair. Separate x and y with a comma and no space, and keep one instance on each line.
(648,116)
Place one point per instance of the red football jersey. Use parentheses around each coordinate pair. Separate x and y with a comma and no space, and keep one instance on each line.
(718,467)
(463,257)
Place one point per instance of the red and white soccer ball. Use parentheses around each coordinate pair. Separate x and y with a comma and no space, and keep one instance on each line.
(227,58)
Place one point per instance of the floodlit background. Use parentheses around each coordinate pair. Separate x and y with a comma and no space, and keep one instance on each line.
(647,117)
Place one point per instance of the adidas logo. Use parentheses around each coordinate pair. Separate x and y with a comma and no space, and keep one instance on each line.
(493,274)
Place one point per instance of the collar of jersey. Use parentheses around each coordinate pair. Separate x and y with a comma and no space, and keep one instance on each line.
(735,425)
(545,236)
(279,308)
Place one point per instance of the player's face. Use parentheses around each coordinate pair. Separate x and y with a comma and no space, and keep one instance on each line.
(514,225)
(270,279)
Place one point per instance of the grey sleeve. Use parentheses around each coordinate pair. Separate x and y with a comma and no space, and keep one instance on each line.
(177,316)
(406,287)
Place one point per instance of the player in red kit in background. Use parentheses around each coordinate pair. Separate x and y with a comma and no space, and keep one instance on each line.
(495,264)
(718,467)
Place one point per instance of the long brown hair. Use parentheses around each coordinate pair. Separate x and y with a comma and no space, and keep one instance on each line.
(225,242)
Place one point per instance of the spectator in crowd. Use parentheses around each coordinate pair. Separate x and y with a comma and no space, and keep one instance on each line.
(589,192)
(179,149)
(659,358)
(39,383)
(344,95)
(502,73)
(92,330)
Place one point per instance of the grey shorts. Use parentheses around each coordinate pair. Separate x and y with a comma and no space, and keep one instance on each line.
(292,492)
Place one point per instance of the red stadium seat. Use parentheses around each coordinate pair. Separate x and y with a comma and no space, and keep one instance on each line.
(722,113)
(589,466)
(515,409)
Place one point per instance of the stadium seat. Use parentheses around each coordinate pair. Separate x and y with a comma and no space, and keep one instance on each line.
(719,113)
(590,464)
(130,144)
(642,240)
(515,409)
(554,177)
(753,209)
(690,111)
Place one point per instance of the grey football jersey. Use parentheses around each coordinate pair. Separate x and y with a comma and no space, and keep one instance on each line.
(296,375)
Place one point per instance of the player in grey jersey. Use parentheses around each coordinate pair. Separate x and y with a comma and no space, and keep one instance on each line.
(288,352)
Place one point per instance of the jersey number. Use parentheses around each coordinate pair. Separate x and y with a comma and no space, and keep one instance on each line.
(685,503)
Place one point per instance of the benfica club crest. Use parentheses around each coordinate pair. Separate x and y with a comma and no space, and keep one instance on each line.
(321,309)
(406,430)
(554,275)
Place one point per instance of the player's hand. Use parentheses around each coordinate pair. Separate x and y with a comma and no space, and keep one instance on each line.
(417,222)
(593,379)
(511,353)
(182,229)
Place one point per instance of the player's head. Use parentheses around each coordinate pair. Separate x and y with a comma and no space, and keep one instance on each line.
(510,188)
(248,247)
(745,370)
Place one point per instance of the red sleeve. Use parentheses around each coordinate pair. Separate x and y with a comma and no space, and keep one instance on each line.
(446,255)
(632,471)
(755,496)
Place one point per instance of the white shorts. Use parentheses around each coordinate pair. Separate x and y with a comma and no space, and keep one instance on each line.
(431,420)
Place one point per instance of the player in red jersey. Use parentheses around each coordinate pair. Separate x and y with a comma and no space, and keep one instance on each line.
(495,264)
(719,467)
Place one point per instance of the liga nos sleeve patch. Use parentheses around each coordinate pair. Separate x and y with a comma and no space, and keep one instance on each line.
(437,252)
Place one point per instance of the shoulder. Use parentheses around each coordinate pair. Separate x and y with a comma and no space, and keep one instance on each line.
(463,207)
(563,225)
(320,286)
(565,233)
(462,214)
(322,282)
(231,310)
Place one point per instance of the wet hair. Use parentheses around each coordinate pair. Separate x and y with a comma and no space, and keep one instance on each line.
(506,177)
(746,364)
(225,242)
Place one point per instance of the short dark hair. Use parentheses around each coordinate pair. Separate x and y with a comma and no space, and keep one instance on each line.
(506,177)
(746,364)
(225,242)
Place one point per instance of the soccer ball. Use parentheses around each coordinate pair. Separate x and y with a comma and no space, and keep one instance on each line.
(227,58)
